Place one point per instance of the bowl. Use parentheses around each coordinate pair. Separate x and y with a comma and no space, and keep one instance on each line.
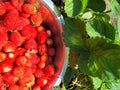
(53,20)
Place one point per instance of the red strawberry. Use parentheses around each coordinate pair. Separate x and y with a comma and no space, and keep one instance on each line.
(28,8)
(49,41)
(19,51)
(49,61)
(40,28)
(2,8)
(27,81)
(14,87)
(49,70)
(24,88)
(2,28)
(36,19)
(49,33)
(42,81)
(9,78)
(11,20)
(16,38)
(31,44)
(42,49)
(5,67)
(33,57)
(42,37)
(41,64)
(3,38)
(2,56)
(23,61)
(2,83)
(36,87)
(29,32)
(19,71)
(9,47)
(14,3)
(38,73)
(44,57)
(8,5)
(51,51)
(23,22)
(10,58)
(25,15)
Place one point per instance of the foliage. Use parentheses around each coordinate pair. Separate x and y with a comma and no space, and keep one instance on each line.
(94,42)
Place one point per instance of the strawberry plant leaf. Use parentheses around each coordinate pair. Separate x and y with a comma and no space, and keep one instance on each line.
(74,33)
(100,27)
(75,7)
(115,6)
(96,82)
(101,60)
(113,85)
(97,5)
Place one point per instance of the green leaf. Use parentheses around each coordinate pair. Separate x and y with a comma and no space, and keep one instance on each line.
(102,59)
(115,6)
(103,87)
(96,82)
(74,33)
(100,27)
(97,5)
(75,7)
(113,85)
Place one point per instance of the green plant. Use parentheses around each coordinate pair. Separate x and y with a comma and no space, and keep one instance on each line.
(93,36)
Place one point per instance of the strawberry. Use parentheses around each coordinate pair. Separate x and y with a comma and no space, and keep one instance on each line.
(2,56)
(11,20)
(49,61)
(23,61)
(42,81)
(24,88)
(33,57)
(16,38)
(44,57)
(51,51)
(14,87)
(2,8)
(42,37)
(23,22)
(9,47)
(2,28)
(15,3)
(9,78)
(31,44)
(42,49)
(41,64)
(49,70)
(31,30)
(5,67)
(19,71)
(2,82)
(3,38)
(38,73)
(8,5)
(27,81)
(28,8)
(36,19)
(36,87)
(49,33)
(49,42)
(10,57)
(40,28)
(19,51)
(25,15)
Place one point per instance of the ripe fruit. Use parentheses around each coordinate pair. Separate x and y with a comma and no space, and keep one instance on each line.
(42,81)
(27,48)
(42,37)
(29,32)
(28,8)
(36,19)
(2,8)
(49,70)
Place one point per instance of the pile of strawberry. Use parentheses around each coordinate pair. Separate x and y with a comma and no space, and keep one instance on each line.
(27,47)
